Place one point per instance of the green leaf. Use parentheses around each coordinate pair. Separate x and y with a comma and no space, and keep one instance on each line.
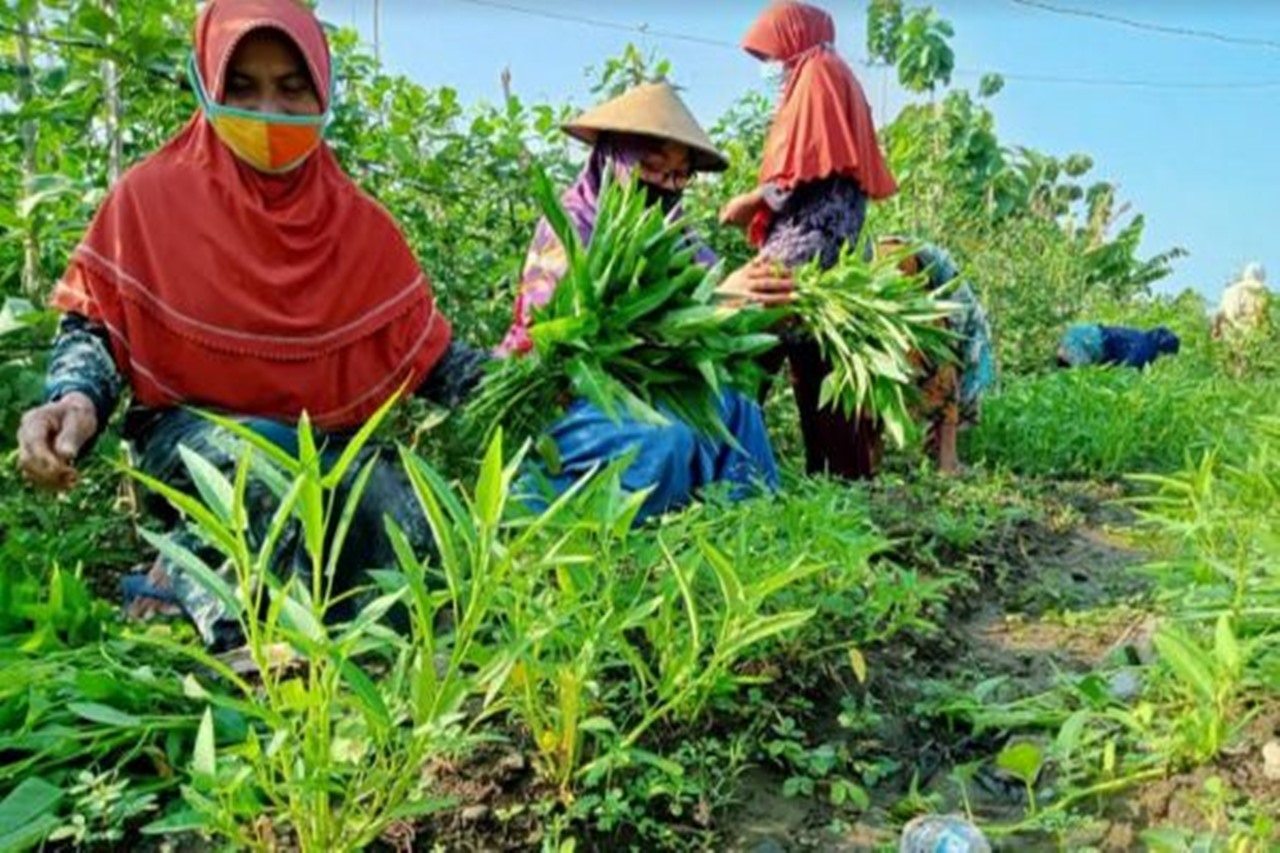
(280,520)
(357,442)
(730,584)
(685,584)
(184,560)
(214,488)
(209,523)
(350,505)
(548,199)
(1168,840)
(549,452)
(635,307)
(366,691)
(592,382)
(491,492)
(299,616)
(773,583)
(259,442)
(858,663)
(763,628)
(27,813)
(422,808)
(16,314)
(563,330)
(843,791)
(204,759)
(104,714)
(375,610)
(1190,663)
(1226,648)
(1022,759)
(311,500)
(457,513)
(442,531)
(180,822)
(1068,739)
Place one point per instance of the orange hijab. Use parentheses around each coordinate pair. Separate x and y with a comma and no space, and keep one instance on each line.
(255,294)
(823,126)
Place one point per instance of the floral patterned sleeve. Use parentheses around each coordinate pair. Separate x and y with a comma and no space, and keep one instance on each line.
(82,361)
(544,266)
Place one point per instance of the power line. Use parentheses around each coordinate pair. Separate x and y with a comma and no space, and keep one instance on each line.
(642,29)
(1121,83)
(1164,29)
(1014,76)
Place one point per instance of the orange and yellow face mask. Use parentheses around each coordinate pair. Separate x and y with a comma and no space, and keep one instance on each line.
(269,142)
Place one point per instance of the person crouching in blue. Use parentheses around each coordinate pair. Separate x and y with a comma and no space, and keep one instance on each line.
(1090,343)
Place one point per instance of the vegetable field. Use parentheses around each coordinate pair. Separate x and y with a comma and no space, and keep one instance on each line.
(1075,642)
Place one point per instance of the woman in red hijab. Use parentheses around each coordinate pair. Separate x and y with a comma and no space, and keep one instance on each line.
(821,165)
(239,269)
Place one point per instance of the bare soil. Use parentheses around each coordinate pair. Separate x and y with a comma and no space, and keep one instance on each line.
(1054,601)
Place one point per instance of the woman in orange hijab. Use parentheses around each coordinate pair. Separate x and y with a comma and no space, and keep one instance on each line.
(821,165)
(239,269)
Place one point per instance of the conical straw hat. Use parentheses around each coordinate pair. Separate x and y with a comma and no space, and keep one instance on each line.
(650,109)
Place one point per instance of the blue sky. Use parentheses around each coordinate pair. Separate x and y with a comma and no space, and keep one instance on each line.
(1202,164)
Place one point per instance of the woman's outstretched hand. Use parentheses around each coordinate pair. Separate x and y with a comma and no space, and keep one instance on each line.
(739,210)
(758,282)
(51,437)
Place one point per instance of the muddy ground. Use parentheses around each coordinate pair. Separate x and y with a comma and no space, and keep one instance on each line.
(1055,599)
(1056,595)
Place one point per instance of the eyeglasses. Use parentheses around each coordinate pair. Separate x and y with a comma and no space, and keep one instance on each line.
(674,178)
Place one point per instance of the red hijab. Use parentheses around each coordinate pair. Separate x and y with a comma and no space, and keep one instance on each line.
(255,294)
(823,126)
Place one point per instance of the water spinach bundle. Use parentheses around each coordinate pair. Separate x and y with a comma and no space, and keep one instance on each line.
(874,326)
(633,326)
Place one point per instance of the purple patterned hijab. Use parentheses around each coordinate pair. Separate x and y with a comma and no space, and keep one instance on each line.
(545,263)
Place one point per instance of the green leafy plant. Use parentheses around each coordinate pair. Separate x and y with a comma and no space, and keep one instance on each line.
(597,642)
(324,723)
(632,326)
(868,319)
(1065,423)
(22,357)
(103,806)
(610,656)
(1209,681)
(116,706)
(55,612)
(27,813)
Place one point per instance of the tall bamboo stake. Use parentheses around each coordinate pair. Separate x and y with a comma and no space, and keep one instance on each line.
(111,86)
(30,139)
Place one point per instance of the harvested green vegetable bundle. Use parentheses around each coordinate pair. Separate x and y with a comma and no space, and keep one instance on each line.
(631,326)
(868,319)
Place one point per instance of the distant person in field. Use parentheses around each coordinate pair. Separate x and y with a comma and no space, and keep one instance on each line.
(1091,344)
(650,133)
(1245,306)
(239,269)
(822,164)
(950,393)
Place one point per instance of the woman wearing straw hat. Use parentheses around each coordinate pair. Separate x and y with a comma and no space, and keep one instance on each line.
(650,133)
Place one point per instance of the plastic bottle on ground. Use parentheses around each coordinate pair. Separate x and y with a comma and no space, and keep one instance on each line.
(942,834)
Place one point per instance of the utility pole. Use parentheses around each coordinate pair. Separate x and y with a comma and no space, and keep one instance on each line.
(377,30)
